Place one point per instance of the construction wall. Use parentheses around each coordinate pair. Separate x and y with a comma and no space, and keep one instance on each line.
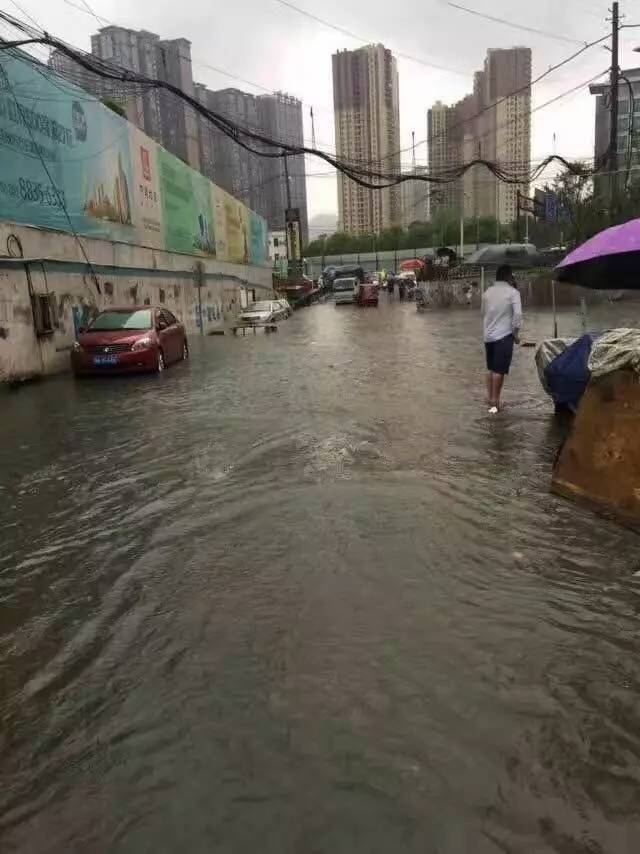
(39,263)
(71,164)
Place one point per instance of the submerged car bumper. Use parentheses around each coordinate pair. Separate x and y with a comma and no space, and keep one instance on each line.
(253,320)
(87,363)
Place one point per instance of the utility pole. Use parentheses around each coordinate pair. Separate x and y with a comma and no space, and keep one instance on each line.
(286,179)
(313,130)
(613,137)
(287,223)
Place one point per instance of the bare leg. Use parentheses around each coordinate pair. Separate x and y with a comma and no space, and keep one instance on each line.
(490,388)
(497,383)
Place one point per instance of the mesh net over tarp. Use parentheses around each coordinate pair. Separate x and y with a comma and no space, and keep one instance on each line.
(616,349)
(546,353)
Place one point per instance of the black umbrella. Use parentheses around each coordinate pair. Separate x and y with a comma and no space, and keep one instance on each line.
(516,255)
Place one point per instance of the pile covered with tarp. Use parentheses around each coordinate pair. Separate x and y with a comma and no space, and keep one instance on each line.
(615,350)
(563,369)
(566,365)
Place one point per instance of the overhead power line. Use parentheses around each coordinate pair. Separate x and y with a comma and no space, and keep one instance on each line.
(196,60)
(359,38)
(496,20)
(260,143)
(492,106)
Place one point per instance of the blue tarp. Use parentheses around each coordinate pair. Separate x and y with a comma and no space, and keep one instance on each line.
(568,374)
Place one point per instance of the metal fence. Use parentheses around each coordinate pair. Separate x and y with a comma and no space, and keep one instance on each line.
(370,261)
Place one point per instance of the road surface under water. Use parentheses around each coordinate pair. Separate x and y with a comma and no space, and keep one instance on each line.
(303,595)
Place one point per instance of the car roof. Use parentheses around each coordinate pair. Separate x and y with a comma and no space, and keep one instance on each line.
(134,308)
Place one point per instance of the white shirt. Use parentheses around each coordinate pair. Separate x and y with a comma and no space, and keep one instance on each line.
(501,311)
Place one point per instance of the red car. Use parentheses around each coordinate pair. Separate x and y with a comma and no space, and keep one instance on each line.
(132,339)
(367,295)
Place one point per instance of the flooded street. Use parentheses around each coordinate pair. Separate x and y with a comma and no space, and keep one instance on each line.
(303,595)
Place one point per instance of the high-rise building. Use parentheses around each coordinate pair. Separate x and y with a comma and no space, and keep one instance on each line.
(493,123)
(77,74)
(503,131)
(367,126)
(281,119)
(257,181)
(206,134)
(628,153)
(119,46)
(260,181)
(162,115)
(237,170)
(444,155)
(179,123)
(415,199)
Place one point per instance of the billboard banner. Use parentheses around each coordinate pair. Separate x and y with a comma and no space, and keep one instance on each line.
(66,158)
(237,222)
(61,149)
(146,194)
(218,202)
(259,238)
(186,207)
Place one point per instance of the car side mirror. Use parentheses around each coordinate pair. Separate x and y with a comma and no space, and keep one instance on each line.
(161,326)
(82,330)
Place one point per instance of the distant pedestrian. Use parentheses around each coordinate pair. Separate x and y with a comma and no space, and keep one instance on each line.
(502,320)
(469,293)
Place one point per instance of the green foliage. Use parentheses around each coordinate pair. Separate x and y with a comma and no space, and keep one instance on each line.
(444,230)
(587,203)
(585,200)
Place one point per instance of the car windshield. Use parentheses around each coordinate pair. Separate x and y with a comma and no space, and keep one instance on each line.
(112,321)
(260,306)
(344,284)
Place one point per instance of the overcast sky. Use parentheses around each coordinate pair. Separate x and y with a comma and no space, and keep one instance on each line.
(273,46)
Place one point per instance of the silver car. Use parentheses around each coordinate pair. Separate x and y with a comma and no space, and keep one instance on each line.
(264,311)
(286,306)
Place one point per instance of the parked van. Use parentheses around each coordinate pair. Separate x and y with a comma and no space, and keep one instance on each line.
(345,290)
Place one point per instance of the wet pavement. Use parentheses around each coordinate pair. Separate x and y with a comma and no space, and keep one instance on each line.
(302,594)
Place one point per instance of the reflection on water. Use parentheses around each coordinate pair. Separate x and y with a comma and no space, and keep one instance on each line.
(301,595)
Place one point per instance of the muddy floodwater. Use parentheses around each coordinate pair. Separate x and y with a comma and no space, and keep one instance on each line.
(302,595)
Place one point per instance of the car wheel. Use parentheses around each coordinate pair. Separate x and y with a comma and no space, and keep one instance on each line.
(185,351)
(160,365)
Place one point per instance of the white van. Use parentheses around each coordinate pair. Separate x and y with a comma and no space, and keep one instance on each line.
(345,290)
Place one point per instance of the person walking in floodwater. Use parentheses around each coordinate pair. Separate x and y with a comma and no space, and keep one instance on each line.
(502,320)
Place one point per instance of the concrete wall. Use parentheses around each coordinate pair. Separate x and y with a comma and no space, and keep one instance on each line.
(204,294)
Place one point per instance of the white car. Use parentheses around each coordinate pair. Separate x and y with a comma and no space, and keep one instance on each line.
(286,306)
(345,290)
(264,311)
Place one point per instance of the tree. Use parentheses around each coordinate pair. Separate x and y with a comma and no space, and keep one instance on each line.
(317,246)
(339,243)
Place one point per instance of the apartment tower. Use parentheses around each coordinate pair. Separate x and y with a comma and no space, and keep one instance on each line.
(159,113)
(367,127)
(493,123)
(503,130)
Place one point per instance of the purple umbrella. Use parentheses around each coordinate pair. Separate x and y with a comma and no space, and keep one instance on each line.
(608,261)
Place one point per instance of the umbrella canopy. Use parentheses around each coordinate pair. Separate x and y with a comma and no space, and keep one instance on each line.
(517,255)
(608,261)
